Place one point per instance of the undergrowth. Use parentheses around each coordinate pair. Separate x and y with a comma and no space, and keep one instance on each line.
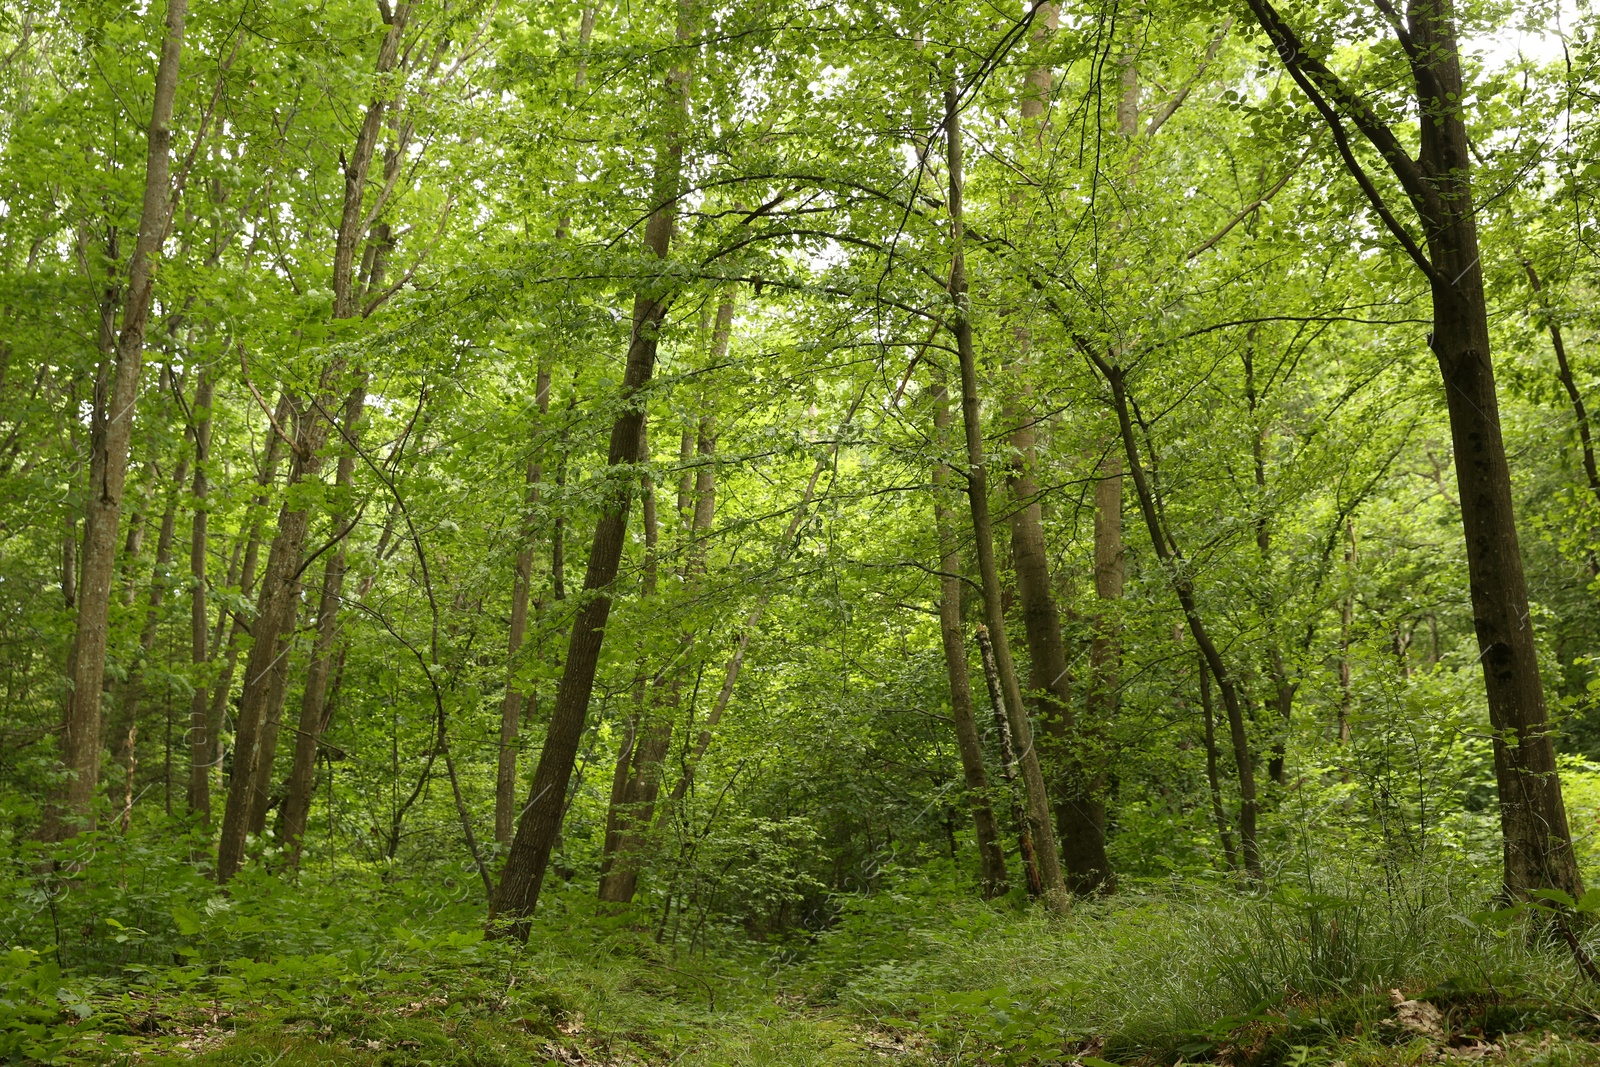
(352,968)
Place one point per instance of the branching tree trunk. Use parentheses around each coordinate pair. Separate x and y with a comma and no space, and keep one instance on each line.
(255,735)
(1537,844)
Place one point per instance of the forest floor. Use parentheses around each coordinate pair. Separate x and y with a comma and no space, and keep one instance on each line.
(896,979)
(617,1021)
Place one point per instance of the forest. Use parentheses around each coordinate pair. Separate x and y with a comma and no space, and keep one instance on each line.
(951,533)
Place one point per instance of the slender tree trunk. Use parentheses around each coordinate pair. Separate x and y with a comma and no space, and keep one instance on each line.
(634,806)
(540,821)
(269,651)
(132,689)
(1176,566)
(1219,813)
(73,807)
(1574,397)
(266,759)
(1044,838)
(505,783)
(992,872)
(735,664)
(256,734)
(638,774)
(1283,689)
(1346,618)
(1009,769)
(237,626)
(1580,412)
(541,818)
(199,787)
(314,705)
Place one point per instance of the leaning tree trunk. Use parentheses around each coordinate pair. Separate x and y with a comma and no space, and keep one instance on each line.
(529,854)
(273,623)
(635,780)
(1537,844)
(639,784)
(1044,837)
(1177,569)
(73,807)
(992,872)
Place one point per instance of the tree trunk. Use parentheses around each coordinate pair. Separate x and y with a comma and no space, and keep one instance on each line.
(1044,838)
(1176,566)
(1080,814)
(271,628)
(132,687)
(1283,689)
(1219,813)
(1580,412)
(1346,618)
(314,705)
(199,788)
(1537,845)
(540,821)
(505,782)
(247,577)
(992,873)
(637,778)
(266,757)
(73,806)
(1008,766)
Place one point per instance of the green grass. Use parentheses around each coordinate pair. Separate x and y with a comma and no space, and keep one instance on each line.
(1188,973)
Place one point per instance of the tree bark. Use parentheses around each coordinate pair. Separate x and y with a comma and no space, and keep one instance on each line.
(1536,841)
(1009,769)
(1044,838)
(992,873)
(540,820)
(73,807)
(314,707)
